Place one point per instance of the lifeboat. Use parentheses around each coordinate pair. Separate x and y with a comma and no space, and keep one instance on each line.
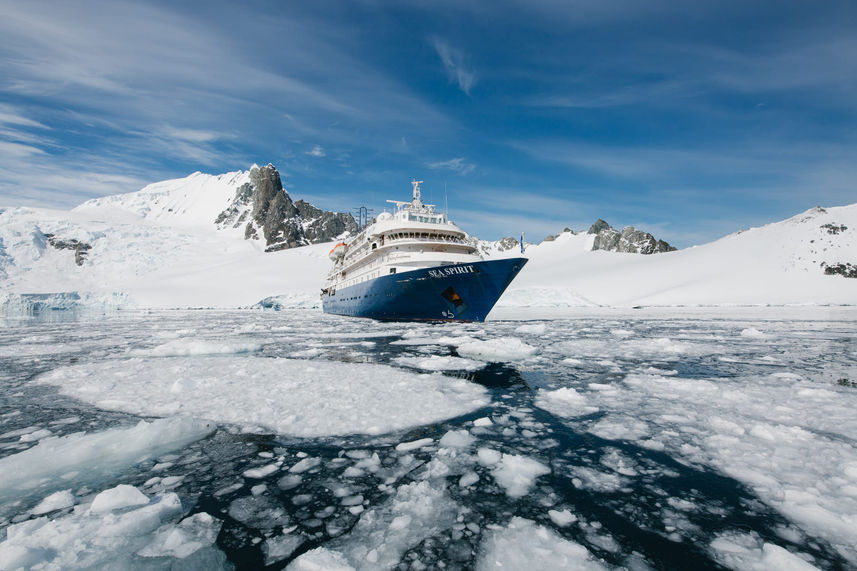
(338,251)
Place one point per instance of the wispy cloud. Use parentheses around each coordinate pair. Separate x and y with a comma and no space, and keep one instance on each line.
(458,164)
(458,70)
(10,115)
(316,151)
(179,90)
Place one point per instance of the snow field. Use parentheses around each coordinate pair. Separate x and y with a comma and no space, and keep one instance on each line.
(737,269)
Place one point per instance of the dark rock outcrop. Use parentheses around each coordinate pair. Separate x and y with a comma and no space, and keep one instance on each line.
(324,225)
(267,212)
(834,229)
(81,249)
(846,270)
(507,243)
(599,226)
(629,240)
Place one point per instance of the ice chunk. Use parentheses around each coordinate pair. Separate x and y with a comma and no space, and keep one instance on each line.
(457,439)
(488,457)
(440,363)
(620,427)
(122,496)
(305,465)
(565,402)
(89,455)
(378,540)
(321,399)
(113,538)
(468,479)
(562,518)
(533,328)
(228,489)
(523,544)
(321,559)
(56,501)
(190,535)
(749,551)
(413,445)
(258,511)
(498,350)
(183,347)
(279,547)
(261,471)
(36,435)
(518,473)
(590,479)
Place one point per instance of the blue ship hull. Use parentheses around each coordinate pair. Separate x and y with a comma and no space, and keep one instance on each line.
(460,292)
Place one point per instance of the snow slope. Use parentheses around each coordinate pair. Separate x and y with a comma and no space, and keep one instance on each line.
(777,264)
(159,248)
(193,201)
(155,248)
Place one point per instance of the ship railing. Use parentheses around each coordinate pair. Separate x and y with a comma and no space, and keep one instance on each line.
(439,239)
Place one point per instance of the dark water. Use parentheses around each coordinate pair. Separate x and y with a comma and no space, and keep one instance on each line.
(635,505)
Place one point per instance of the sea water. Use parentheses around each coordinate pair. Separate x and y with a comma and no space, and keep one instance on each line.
(649,438)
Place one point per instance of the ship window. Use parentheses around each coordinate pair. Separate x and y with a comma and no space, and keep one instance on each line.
(374,246)
(392,270)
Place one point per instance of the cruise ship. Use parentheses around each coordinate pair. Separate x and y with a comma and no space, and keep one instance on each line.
(414,264)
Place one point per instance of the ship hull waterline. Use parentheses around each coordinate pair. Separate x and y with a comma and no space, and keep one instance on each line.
(458,292)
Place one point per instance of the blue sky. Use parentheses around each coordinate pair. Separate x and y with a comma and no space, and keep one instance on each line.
(690,120)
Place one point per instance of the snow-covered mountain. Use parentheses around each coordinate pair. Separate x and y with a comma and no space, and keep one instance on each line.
(199,241)
(797,261)
(229,241)
(629,241)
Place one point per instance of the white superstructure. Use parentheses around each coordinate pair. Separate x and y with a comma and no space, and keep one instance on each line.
(413,237)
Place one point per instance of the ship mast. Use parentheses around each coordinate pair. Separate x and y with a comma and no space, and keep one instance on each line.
(417,198)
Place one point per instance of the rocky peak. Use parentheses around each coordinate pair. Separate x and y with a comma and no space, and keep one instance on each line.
(598,227)
(267,212)
(629,240)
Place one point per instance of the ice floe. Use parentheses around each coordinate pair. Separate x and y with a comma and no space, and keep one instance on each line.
(183,347)
(57,460)
(498,350)
(293,397)
(382,534)
(440,363)
(121,529)
(517,474)
(785,437)
(523,544)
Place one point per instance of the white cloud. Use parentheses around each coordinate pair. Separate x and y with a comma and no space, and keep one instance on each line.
(316,151)
(458,164)
(454,61)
